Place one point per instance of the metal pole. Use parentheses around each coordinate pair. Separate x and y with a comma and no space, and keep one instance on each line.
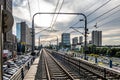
(85,35)
(57,43)
(39,42)
(1,44)
(33,37)
(33,33)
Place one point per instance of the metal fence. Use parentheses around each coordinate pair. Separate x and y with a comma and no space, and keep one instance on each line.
(20,74)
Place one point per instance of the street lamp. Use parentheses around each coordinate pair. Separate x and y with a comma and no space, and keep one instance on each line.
(33,32)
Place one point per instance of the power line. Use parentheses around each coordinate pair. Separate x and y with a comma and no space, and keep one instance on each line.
(66,30)
(108,16)
(29,9)
(88,9)
(109,22)
(42,30)
(54,11)
(101,20)
(57,14)
(99,8)
(90,6)
(71,26)
(104,13)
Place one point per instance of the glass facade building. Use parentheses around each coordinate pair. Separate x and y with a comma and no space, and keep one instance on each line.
(18,32)
(66,40)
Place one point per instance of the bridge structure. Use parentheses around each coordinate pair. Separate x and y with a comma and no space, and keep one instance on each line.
(53,65)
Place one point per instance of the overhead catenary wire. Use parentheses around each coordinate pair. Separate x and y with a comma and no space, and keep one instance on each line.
(89,7)
(116,19)
(101,20)
(95,9)
(29,9)
(54,11)
(78,31)
(57,14)
(104,13)
(72,26)
(99,8)
(42,30)
(109,22)
(86,9)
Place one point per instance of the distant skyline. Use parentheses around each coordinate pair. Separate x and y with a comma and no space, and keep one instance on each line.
(108,21)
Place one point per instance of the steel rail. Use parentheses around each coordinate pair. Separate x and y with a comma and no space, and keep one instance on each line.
(47,69)
(100,72)
(66,72)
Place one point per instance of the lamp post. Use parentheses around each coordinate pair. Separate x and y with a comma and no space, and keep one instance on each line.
(39,42)
(33,32)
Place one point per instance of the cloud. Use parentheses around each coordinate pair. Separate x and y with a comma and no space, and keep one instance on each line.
(21,11)
(19,3)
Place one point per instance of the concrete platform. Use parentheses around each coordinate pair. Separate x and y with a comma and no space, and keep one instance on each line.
(32,71)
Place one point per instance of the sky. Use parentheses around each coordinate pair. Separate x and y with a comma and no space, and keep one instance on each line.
(106,18)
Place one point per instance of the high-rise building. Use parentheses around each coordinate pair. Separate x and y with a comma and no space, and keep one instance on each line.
(18,32)
(23,33)
(8,5)
(97,38)
(66,40)
(75,40)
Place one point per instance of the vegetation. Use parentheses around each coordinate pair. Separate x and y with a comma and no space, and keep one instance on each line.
(117,54)
(105,51)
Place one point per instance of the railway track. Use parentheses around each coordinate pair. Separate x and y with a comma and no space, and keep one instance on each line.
(56,66)
(87,70)
(51,69)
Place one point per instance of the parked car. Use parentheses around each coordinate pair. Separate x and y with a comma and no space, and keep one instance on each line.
(5,67)
(5,78)
(7,75)
(11,64)
(11,71)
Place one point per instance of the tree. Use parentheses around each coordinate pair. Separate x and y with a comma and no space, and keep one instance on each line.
(109,51)
(114,51)
(98,50)
(92,48)
(103,50)
(117,54)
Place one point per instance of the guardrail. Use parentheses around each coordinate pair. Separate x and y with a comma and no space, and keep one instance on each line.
(19,75)
(87,67)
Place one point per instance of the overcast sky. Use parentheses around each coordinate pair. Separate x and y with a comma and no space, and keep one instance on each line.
(108,23)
